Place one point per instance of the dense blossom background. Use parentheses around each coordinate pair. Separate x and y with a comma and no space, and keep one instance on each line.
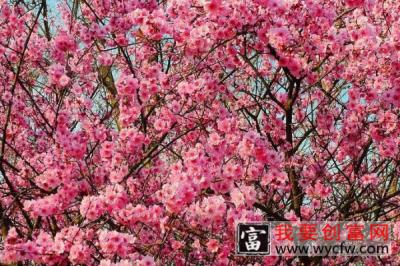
(139,132)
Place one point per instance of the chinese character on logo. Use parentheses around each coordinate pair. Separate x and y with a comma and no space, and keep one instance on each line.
(284,232)
(253,239)
(253,243)
(308,232)
(331,232)
(379,231)
(355,232)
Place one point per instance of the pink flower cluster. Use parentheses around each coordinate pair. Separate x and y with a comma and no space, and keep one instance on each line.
(141,132)
(112,243)
(58,76)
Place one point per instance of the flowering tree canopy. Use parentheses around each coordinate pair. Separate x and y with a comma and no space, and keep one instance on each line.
(139,132)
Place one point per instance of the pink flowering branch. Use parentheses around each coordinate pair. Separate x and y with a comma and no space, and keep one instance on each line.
(141,132)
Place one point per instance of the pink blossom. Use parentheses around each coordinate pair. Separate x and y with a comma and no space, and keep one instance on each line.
(214,6)
(212,245)
(369,179)
(355,3)
(141,132)
(92,208)
(112,242)
(80,254)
